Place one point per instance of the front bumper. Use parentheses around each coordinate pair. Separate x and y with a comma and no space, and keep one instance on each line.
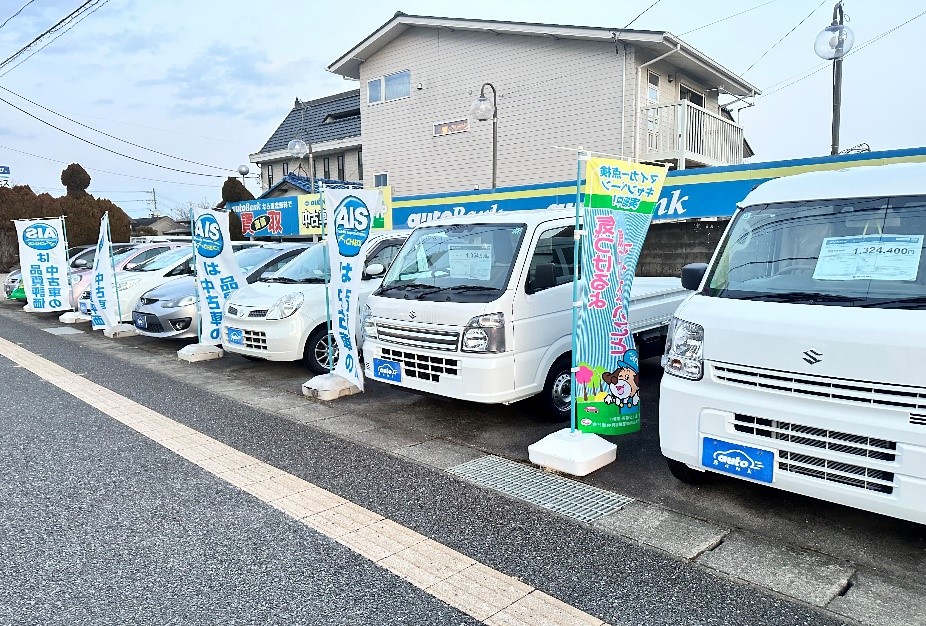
(486,378)
(273,340)
(814,444)
(154,320)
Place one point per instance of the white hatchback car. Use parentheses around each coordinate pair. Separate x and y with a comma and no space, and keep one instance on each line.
(283,317)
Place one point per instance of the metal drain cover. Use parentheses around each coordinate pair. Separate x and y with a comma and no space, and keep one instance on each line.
(556,493)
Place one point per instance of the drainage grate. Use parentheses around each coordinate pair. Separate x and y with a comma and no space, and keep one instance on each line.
(556,493)
(63,330)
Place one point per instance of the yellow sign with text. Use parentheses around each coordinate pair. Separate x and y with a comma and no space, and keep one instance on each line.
(311,215)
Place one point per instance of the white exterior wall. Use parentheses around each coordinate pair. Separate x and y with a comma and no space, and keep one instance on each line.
(551,93)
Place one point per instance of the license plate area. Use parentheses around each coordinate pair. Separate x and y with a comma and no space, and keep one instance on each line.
(140,320)
(384,369)
(738,459)
(235,336)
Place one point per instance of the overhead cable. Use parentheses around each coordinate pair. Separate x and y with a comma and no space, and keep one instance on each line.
(7,20)
(56,26)
(641,14)
(796,26)
(729,17)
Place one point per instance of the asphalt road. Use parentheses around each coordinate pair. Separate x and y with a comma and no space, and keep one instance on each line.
(99,525)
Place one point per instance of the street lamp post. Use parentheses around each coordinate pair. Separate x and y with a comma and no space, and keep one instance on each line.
(299,148)
(243,170)
(482,110)
(833,43)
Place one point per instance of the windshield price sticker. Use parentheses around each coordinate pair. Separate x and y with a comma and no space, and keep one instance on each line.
(471,261)
(870,257)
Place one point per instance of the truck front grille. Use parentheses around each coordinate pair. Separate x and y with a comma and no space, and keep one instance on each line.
(835,441)
(422,366)
(418,337)
(852,391)
(834,471)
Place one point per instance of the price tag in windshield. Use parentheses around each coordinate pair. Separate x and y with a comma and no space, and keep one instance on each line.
(870,257)
(471,261)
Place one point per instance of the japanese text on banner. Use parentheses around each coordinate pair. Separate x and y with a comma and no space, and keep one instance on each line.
(217,273)
(44,262)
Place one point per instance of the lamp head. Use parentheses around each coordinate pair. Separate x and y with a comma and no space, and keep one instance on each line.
(243,170)
(482,108)
(834,42)
(297,148)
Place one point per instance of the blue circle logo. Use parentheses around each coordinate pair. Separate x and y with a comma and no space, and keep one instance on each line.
(207,237)
(40,236)
(351,225)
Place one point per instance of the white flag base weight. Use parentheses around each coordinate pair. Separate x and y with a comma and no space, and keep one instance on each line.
(73,317)
(328,387)
(574,453)
(196,352)
(28,308)
(119,330)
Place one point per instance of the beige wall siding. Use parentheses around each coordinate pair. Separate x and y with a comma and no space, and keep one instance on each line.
(551,93)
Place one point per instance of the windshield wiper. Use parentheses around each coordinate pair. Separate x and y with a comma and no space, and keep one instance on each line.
(458,288)
(406,286)
(914,302)
(800,297)
(279,279)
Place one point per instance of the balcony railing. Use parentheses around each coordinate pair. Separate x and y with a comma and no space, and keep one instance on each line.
(682,130)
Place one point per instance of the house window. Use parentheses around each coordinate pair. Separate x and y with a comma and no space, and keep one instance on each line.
(285,168)
(359,164)
(326,167)
(270,175)
(692,96)
(389,87)
(341,175)
(381,180)
(652,93)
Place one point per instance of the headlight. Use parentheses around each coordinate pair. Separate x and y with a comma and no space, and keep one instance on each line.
(176,303)
(684,350)
(485,333)
(285,306)
(127,283)
(366,322)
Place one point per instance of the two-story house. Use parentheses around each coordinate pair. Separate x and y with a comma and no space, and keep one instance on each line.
(330,127)
(644,95)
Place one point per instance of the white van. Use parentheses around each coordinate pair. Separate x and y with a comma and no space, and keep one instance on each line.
(798,361)
(480,308)
(283,317)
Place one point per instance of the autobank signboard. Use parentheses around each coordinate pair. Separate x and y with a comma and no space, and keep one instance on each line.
(709,192)
(268,216)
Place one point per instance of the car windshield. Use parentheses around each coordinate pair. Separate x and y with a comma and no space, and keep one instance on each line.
(310,266)
(858,252)
(249,258)
(163,261)
(461,261)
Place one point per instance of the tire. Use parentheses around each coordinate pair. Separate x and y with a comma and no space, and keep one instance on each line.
(316,351)
(688,475)
(556,392)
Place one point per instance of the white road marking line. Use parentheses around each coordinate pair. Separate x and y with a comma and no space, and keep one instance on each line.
(485,594)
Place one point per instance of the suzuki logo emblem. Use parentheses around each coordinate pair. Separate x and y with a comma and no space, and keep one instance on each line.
(412,315)
(812,357)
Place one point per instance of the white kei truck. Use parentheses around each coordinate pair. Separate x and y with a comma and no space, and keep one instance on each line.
(798,361)
(479,308)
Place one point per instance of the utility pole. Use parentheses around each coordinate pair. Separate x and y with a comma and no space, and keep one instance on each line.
(154,201)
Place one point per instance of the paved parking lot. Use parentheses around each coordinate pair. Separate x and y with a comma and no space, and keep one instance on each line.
(861,565)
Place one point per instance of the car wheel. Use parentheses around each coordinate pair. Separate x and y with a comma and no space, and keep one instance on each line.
(316,353)
(688,475)
(556,395)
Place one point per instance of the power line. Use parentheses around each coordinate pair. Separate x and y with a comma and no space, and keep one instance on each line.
(641,14)
(55,38)
(762,56)
(729,17)
(93,169)
(7,20)
(164,154)
(825,65)
(62,21)
(96,145)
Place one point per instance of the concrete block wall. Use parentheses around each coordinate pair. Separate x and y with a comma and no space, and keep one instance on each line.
(671,245)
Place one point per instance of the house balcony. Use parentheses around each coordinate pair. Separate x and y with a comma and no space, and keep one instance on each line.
(689,136)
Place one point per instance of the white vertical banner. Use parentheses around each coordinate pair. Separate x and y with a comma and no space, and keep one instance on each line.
(348,219)
(217,273)
(43,258)
(104,300)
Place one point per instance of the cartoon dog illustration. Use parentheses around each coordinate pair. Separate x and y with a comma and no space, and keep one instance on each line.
(624,382)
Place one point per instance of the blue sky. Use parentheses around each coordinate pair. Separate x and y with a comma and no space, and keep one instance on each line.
(210,80)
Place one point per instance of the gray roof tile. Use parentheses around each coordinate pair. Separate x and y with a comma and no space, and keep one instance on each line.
(306,121)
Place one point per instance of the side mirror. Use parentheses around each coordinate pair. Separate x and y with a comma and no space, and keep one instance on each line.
(130,266)
(81,263)
(374,270)
(544,277)
(692,275)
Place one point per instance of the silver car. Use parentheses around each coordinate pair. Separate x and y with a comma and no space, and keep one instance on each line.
(170,310)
